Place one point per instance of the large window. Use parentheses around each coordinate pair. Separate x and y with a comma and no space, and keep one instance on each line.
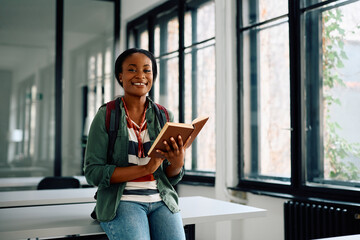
(300,91)
(266,87)
(182,39)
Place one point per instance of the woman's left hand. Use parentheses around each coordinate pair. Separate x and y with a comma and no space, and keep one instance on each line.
(175,154)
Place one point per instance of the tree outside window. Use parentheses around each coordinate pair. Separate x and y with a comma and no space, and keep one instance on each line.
(341,93)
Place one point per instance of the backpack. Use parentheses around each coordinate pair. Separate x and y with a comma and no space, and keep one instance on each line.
(112,122)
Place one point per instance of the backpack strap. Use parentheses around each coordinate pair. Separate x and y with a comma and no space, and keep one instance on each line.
(112,124)
(159,108)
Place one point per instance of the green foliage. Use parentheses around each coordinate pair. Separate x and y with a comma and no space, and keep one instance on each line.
(336,147)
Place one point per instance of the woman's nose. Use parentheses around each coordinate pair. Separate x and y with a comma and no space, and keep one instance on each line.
(140,74)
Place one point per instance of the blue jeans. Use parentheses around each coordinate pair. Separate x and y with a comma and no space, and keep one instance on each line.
(144,221)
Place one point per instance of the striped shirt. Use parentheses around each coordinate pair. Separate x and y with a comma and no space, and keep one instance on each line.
(143,189)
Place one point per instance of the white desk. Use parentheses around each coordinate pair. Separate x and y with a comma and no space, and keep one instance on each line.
(60,220)
(46,197)
(201,209)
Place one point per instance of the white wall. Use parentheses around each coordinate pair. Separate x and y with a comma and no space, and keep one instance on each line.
(269,227)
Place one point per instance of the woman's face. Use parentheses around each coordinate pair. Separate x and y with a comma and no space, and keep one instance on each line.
(137,75)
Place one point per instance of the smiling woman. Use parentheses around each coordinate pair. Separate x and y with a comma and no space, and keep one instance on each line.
(135,191)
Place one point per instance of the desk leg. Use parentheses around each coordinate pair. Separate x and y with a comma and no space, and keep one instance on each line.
(190,231)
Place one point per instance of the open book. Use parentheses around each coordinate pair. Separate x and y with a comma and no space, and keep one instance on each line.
(172,129)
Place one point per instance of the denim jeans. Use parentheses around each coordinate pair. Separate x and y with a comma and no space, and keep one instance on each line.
(144,221)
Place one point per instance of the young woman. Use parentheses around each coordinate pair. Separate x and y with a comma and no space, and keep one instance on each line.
(135,198)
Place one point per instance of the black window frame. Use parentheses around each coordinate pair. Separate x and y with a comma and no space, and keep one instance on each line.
(166,11)
(298,187)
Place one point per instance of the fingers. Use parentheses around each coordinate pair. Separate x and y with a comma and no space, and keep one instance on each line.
(172,148)
(169,151)
(175,145)
(180,141)
(174,151)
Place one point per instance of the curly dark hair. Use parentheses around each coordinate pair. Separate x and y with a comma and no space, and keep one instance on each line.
(121,58)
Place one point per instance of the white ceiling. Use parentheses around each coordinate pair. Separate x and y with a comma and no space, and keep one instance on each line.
(28,26)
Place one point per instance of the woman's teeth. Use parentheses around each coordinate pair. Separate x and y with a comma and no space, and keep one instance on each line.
(139,84)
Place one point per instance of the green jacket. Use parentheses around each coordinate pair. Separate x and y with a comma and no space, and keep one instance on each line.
(98,171)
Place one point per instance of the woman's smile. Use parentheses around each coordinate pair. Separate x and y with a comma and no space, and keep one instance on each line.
(140,84)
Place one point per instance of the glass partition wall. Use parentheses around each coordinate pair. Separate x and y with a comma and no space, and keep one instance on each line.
(87,73)
(27,46)
(29,37)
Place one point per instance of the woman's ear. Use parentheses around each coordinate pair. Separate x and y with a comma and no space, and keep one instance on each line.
(120,77)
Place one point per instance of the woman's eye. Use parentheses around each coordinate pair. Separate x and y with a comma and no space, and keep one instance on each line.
(131,70)
(147,71)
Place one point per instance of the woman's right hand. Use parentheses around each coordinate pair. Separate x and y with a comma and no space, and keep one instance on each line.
(154,164)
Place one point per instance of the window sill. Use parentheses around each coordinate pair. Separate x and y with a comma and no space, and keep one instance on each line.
(198,178)
(317,194)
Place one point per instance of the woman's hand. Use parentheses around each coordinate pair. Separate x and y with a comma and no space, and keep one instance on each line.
(175,154)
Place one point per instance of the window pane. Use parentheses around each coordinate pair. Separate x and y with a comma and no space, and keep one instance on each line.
(333,90)
(172,35)
(262,10)
(131,39)
(166,36)
(200,24)
(200,101)
(88,74)
(157,41)
(166,88)
(167,84)
(188,29)
(266,103)
(27,97)
(144,40)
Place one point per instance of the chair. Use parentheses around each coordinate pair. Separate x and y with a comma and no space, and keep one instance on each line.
(58,183)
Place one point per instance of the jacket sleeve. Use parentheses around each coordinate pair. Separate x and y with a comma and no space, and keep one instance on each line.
(96,169)
(175,179)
